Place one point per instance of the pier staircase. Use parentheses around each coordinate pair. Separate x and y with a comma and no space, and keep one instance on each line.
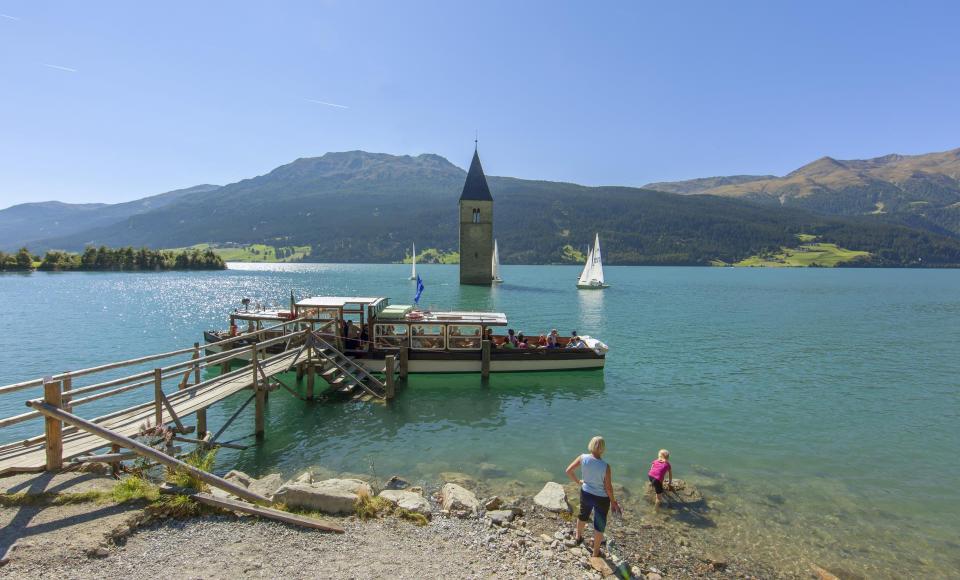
(344,376)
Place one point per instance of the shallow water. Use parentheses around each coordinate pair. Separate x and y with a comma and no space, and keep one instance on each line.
(816,409)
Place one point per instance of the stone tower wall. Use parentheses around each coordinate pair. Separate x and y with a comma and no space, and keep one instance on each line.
(476,243)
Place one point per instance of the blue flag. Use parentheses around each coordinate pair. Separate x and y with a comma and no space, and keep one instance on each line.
(416,299)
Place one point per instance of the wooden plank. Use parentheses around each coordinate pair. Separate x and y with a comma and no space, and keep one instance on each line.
(389,370)
(146,451)
(265,512)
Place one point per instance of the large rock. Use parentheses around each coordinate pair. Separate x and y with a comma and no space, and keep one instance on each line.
(500,517)
(407,500)
(552,497)
(266,485)
(458,500)
(331,496)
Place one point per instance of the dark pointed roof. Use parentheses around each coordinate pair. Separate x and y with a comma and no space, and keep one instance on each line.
(475,187)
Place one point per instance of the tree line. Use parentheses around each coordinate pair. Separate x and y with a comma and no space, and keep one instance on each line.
(126,259)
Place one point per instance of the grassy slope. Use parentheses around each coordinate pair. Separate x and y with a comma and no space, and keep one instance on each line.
(805,255)
(254,252)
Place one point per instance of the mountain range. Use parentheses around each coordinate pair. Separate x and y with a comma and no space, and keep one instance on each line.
(357,206)
(916,190)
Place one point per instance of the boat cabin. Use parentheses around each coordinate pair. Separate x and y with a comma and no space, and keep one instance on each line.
(391,327)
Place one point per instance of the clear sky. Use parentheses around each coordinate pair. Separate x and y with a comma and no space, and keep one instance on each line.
(111,101)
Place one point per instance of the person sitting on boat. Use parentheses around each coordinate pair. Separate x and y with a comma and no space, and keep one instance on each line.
(511,339)
(521,341)
(576,341)
(553,339)
(488,335)
(542,341)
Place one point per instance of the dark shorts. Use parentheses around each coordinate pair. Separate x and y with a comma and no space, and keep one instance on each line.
(657,484)
(596,504)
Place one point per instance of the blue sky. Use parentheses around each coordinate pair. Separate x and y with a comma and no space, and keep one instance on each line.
(156,97)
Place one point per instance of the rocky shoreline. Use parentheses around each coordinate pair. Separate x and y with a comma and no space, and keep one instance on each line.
(462,535)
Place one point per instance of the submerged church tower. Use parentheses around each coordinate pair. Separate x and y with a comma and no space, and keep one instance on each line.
(476,227)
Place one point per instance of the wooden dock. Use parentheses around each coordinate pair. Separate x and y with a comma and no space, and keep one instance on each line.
(272,351)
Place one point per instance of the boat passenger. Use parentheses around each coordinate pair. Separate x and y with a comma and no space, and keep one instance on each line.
(522,341)
(511,339)
(488,335)
(364,338)
(596,491)
(553,339)
(233,329)
(576,342)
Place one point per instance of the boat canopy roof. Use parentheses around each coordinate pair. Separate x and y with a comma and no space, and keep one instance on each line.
(337,301)
(461,317)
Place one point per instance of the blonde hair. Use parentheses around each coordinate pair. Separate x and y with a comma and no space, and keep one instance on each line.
(664,454)
(597,446)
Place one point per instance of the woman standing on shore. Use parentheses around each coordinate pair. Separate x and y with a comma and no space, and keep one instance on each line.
(596,490)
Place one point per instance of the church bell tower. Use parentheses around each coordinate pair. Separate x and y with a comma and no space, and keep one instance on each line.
(476,227)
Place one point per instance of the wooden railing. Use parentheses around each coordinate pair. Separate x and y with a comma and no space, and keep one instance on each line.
(60,387)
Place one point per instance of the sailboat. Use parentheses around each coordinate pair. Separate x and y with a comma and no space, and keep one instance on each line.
(592,276)
(413,271)
(495,269)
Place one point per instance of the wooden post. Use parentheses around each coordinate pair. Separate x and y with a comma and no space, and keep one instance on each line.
(311,374)
(261,400)
(389,369)
(115,467)
(201,413)
(300,372)
(67,385)
(53,428)
(157,397)
(58,414)
(485,361)
(404,361)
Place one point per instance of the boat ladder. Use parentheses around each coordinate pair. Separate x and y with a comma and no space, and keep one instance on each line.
(343,374)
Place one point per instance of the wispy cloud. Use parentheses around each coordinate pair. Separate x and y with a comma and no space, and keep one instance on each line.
(58,67)
(8,17)
(326,103)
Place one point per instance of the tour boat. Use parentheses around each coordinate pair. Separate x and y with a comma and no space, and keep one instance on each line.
(436,341)
(496,265)
(413,270)
(592,276)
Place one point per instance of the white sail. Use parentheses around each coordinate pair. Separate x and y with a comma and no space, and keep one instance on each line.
(413,271)
(597,273)
(495,267)
(592,275)
(585,274)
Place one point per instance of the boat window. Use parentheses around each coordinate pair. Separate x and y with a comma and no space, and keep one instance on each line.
(463,337)
(426,336)
(390,335)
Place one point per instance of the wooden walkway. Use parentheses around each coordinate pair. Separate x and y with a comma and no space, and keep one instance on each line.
(32,456)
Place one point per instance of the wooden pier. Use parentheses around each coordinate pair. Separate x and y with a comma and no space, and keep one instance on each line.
(293,345)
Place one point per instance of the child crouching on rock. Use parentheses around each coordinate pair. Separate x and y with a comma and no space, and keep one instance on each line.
(658,468)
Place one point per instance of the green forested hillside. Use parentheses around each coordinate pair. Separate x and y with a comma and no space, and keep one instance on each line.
(366,207)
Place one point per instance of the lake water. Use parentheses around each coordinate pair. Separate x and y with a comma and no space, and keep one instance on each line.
(817,410)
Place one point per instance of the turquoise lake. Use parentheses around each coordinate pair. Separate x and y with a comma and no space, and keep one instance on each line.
(816,409)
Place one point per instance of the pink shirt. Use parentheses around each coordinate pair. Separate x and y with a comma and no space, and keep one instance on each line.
(657,468)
